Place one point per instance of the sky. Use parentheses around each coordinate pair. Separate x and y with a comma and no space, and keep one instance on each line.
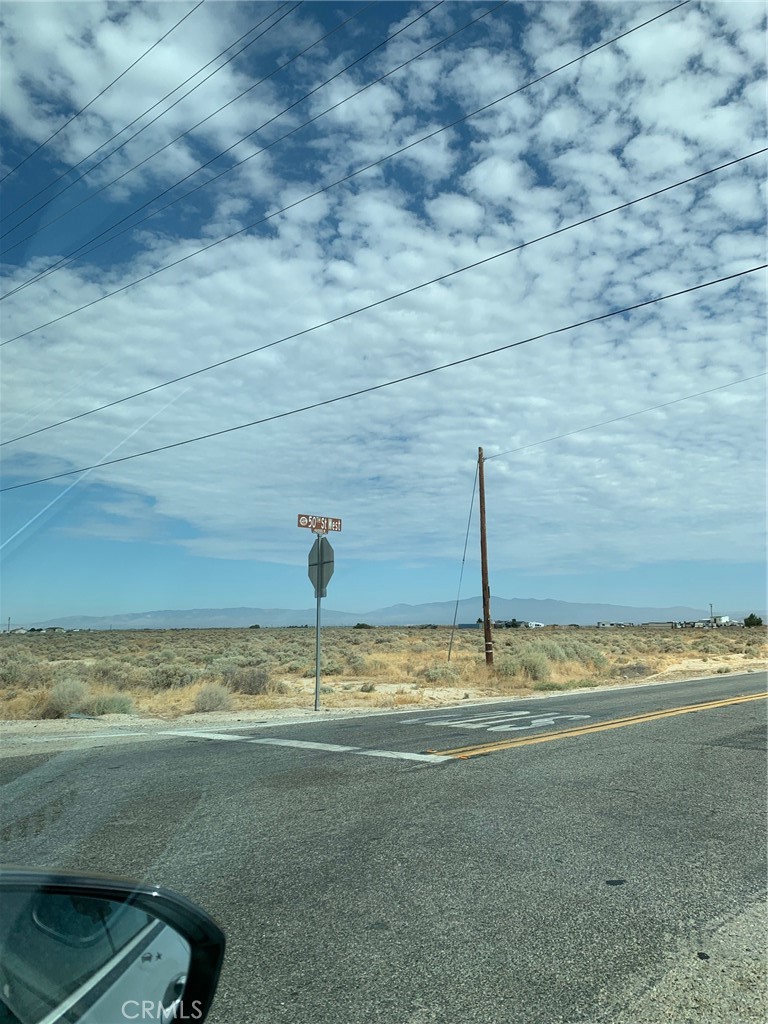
(187,184)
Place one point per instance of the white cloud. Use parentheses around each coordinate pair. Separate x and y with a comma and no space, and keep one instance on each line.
(502,181)
(453,212)
(397,464)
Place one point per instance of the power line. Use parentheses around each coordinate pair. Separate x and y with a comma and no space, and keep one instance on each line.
(143,114)
(353,174)
(223,152)
(391,383)
(125,142)
(85,249)
(626,416)
(378,302)
(187,132)
(463,560)
(100,94)
(80,479)
(557,437)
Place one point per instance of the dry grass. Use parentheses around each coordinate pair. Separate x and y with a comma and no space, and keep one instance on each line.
(167,673)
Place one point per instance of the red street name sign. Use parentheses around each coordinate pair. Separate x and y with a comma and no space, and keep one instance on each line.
(324,523)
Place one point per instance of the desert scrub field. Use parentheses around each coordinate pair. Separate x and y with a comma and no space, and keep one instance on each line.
(167,673)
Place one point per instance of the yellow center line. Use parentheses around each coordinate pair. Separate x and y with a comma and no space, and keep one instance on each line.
(616,723)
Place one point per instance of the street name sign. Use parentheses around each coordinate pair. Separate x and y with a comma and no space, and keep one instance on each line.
(322,524)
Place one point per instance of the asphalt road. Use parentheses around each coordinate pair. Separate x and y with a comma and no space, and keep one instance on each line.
(360,878)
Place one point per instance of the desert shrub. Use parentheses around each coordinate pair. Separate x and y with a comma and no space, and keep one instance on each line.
(18,670)
(213,697)
(588,654)
(284,656)
(132,676)
(166,677)
(598,659)
(532,665)
(13,670)
(67,697)
(115,673)
(331,667)
(580,650)
(547,684)
(253,680)
(506,666)
(356,661)
(367,688)
(551,650)
(224,664)
(108,704)
(253,658)
(673,646)
(439,674)
(155,657)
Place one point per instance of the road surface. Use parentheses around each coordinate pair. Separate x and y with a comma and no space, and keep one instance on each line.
(363,874)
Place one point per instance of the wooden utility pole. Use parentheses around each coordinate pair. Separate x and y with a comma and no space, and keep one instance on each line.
(484,563)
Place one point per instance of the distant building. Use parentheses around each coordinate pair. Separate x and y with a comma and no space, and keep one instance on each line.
(715,622)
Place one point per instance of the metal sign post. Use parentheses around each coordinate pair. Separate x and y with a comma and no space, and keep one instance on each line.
(317,654)
(320,570)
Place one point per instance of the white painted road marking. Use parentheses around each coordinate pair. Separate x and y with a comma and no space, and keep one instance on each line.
(202,735)
(401,754)
(510,721)
(536,723)
(404,755)
(337,748)
(309,744)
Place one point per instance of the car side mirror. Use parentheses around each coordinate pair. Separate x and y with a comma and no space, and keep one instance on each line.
(102,950)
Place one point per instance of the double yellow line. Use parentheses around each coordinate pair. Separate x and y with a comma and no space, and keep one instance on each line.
(585,730)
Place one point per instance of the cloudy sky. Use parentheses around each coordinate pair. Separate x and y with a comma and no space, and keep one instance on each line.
(233,183)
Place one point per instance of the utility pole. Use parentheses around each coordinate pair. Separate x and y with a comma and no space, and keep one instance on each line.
(484,563)
(711,616)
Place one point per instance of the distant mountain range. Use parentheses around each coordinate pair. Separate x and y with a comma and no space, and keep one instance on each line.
(439,613)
